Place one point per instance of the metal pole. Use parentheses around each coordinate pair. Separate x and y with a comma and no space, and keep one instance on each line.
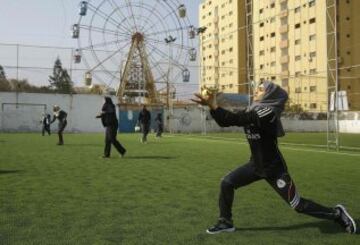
(71,63)
(17,62)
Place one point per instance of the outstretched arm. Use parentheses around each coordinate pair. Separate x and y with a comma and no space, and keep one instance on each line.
(225,118)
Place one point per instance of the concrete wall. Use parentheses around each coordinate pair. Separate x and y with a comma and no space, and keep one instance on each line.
(23,111)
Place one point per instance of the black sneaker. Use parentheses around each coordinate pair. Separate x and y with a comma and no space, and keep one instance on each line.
(345,220)
(123,154)
(222,226)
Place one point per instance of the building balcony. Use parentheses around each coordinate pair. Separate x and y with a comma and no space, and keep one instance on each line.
(284,43)
(284,29)
(216,19)
(284,59)
(285,74)
(284,13)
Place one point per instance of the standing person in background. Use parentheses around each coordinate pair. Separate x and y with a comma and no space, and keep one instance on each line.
(61,116)
(46,124)
(144,121)
(159,125)
(110,122)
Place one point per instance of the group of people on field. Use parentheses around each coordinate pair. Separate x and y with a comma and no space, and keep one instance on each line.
(109,121)
(262,127)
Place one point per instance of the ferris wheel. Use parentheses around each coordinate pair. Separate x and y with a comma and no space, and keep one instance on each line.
(137,46)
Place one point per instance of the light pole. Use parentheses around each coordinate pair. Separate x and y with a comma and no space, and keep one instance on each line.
(200,31)
(168,41)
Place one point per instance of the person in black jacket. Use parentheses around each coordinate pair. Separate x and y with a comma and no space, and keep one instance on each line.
(61,116)
(46,124)
(159,125)
(110,122)
(144,121)
(262,126)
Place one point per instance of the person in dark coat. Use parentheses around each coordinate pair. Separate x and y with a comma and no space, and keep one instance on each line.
(145,122)
(46,124)
(262,127)
(61,116)
(110,122)
(159,125)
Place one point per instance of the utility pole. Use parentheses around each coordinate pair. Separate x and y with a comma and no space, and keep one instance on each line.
(168,41)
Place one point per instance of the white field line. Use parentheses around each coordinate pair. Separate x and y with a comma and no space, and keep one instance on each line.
(220,139)
(283,143)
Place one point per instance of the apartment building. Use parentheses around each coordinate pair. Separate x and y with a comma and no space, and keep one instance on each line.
(290,49)
(222,45)
(349,50)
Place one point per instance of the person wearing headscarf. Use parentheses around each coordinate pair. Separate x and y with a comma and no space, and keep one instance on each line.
(262,127)
(61,116)
(45,121)
(145,121)
(159,125)
(110,122)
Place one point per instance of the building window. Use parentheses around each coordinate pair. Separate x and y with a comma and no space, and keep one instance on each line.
(297,9)
(273,78)
(230,49)
(297,41)
(312,20)
(231,61)
(261,11)
(312,37)
(284,82)
(272,49)
(313,105)
(231,73)
(262,38)
(262,52)
(230,25)
(272,19)
(222,51)
(312,71)
(297,26)
(311,3)
(261,24)
(230,13)
(312,54)
(261,66)
(273,63)
(272,5)
(297,57)
(297,74)
(312,88)
(298,90)
(272,34)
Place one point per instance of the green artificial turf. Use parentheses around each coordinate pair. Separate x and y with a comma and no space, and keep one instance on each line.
(163,192)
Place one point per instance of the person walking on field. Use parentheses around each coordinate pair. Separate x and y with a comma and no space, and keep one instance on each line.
(46,124)
(262,127)
(110,122)
(159,125)
(61,116)
(145,122)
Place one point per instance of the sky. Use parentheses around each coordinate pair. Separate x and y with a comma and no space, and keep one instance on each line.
(48,23)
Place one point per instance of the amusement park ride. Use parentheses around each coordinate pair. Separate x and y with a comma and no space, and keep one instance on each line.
(137,44)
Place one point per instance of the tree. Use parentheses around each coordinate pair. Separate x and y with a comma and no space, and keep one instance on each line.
(60,79)
(4,83)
